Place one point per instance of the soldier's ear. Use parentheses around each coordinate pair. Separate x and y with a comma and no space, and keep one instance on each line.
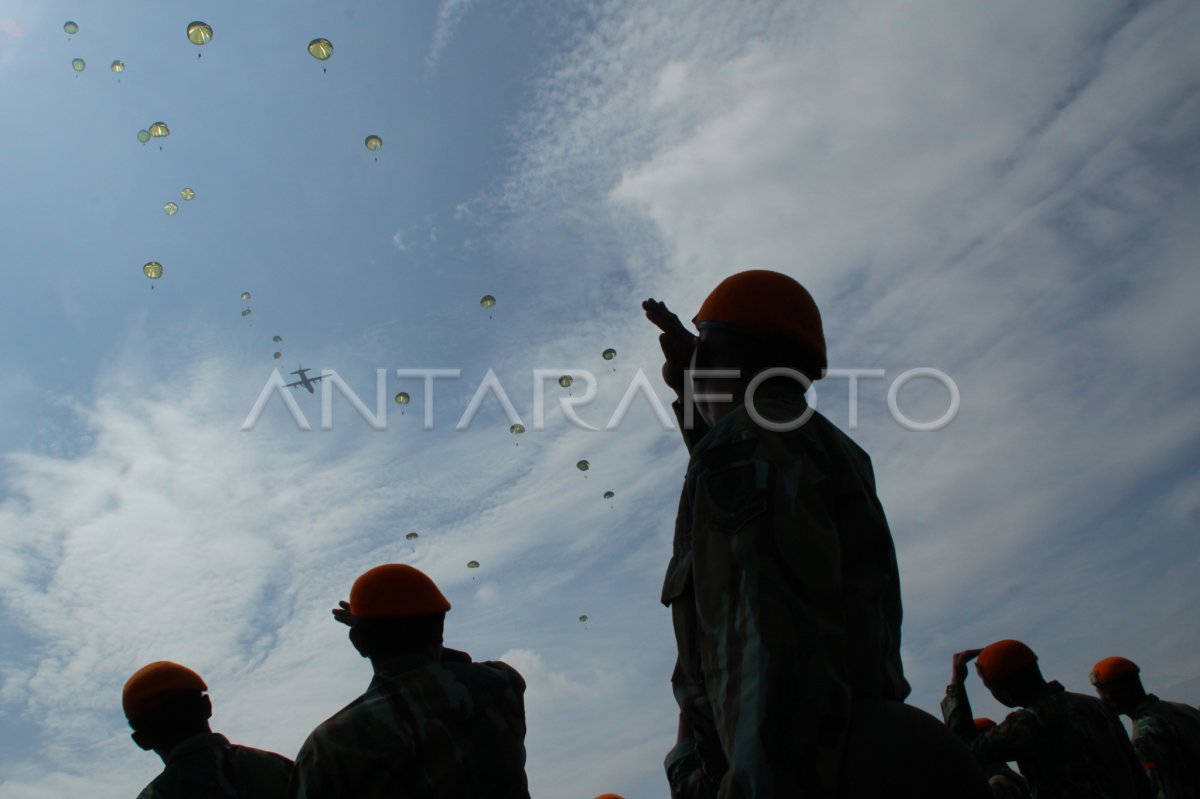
(356,638)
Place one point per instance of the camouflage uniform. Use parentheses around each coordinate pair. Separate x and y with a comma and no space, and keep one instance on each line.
(1068,745)
(785,598)
(208,766)
(1166,737)
(424,728)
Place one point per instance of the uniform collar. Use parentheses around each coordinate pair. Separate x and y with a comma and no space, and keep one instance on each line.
(1144,705)
(206,740)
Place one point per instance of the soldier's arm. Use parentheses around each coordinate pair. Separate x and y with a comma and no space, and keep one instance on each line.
(1011,739)
(1160,762)
(767,569)
(956,707)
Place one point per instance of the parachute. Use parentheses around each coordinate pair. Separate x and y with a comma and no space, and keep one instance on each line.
(411,536)
(583,466)
(472,564)
(608,354)
(609,495)
(199,33)
(171,209)
(516,429)
(187,194)
(79,65)
(118,67)
(583,619)
(565,381)
(487,301)
(402,398)
(159,130)
(373,142)
(143,136)
(246,312)
(320,49)
(245,295)
(152,270)
(277,339)
(277,355)
(70,28)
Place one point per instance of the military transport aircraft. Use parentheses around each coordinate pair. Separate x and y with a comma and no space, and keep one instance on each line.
(304,380)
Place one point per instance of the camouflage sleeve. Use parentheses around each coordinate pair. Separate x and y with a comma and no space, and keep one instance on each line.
(767,582)
(313,775)
(1160,761)
(685,774)
(957,713)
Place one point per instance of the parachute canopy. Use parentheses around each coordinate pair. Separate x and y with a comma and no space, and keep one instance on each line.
(277,339)
(487,301)
(373,142)
(472,564)
(245,296)
(143,136)
(583,619)
(152,270)
(159,130)
(320,49)
(170,209)
(79,65)
(411,536)
(516,429)
(187,194)
(565,381)
(199,32)
(118,66)
(402,398)
(246,312)
(70,28)
(277,355)
(583,466)
(609,354)
(609,495)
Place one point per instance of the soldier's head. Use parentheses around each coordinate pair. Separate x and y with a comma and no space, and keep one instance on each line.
(397,611)
(754,321)
(1118,682)
(1010,671)
(165,704)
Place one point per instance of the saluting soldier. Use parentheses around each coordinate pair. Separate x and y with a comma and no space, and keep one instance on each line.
(1067,745)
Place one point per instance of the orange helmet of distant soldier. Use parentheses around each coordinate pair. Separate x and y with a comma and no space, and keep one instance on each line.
(998,662)
(770,304)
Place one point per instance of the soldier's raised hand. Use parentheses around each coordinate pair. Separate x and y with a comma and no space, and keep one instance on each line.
(342,613)
(959,665)
(676,340)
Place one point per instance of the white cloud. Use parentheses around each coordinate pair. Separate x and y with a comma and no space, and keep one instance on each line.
(450,14)
(398,241)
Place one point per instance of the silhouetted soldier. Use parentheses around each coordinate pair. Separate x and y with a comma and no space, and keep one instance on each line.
(783,584)
(1166,735)
(1004,782)
(168,710)
(432,723)
(1066,744)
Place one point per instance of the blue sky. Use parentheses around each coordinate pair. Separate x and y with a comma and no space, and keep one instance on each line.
(1005,193)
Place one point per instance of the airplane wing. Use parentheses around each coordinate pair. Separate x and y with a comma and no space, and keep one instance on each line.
(297,383)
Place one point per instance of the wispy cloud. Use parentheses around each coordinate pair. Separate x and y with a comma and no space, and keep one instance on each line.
(450,14)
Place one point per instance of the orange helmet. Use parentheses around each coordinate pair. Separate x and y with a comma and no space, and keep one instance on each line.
(999,661)
(771,303)
(609,796)
(983,724)
(1113,668)
(153,683)
(396,591)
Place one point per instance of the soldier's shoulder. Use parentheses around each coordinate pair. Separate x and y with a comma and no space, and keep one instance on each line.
(263,755)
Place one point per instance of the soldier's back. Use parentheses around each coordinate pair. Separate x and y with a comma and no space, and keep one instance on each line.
(209,767)
(1166,736)
(1079,749)
(422,729)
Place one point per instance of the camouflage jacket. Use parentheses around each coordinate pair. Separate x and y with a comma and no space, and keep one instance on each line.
(1006,783)
(424,728)
(1068,745)
(208,767)
(1166,737)
(785,598)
